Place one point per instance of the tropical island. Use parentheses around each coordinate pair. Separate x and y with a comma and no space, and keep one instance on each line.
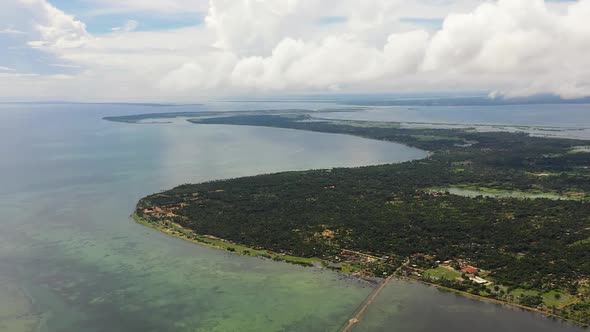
(500,215)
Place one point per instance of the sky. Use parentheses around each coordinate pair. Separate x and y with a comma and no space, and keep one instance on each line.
(188,50)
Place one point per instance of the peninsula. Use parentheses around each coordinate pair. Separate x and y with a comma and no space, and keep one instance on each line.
(499,215)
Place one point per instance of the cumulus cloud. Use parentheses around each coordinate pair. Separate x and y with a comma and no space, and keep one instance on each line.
(508,47)
(518,45)
(186,77)
(11,31)
(248,26)
(334,61)
(54,28)
(514,47)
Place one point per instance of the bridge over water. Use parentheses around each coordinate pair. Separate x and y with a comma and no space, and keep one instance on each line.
(369,300)
(365,305)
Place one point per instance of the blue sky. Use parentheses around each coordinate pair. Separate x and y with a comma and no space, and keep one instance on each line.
(102,19)
(99,19)
(146,22)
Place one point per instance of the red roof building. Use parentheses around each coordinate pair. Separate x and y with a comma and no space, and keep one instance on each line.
(469,269)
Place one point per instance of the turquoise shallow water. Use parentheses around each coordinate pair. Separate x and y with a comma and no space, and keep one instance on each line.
(69,182)
(71,260)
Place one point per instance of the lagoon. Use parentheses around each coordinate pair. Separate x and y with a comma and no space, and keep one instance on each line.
(550,120)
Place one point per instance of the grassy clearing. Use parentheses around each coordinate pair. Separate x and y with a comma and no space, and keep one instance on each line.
(436,138)
(545,173)
(350,268)
(441,272)
(558,299)
(519,291)
(360,124)
(579,149)
(580,243)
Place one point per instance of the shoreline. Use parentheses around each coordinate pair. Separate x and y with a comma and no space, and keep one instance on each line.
(220,244)
(430,146)
(532,130)
(495,301)
(178,231)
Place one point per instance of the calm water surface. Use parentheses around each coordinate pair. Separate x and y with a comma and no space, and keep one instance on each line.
(550,115)
(71,260)
(408,306)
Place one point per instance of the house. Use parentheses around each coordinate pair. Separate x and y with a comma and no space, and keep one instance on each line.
(469,269)
(479,280)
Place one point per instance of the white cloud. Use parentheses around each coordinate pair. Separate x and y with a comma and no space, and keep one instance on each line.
(61,65)
(186,77)
(248,27)
(512,47)
(515,47)
(331,62)
(11,31)
(130,25)
(519,46)
(54,28)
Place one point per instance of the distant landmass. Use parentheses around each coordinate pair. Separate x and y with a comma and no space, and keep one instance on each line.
(423,99)
(95,103)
